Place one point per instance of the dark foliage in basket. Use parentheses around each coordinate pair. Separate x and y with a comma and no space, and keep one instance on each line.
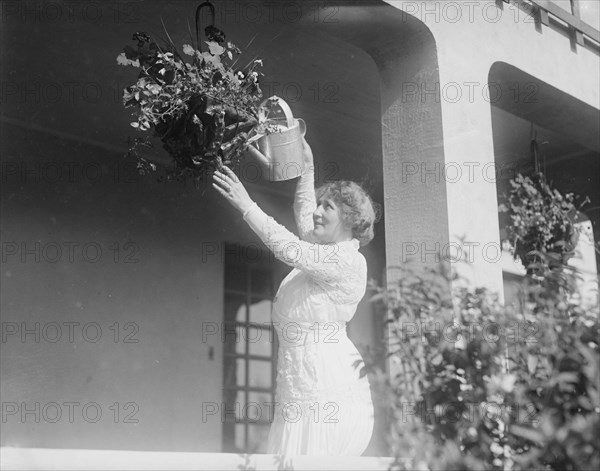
(202,109)
(539,220)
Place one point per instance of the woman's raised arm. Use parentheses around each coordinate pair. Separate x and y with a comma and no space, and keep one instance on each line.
(305,202)
(327,263)
(324,262)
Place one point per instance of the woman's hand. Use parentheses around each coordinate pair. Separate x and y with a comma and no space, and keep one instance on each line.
(307,157)
(229,185)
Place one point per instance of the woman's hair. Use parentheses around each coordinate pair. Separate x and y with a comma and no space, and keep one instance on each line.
(359,212)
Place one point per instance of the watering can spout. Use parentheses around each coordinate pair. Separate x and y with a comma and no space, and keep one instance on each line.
(259,156)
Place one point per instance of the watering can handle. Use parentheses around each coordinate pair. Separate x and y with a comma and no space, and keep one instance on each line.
(287,111)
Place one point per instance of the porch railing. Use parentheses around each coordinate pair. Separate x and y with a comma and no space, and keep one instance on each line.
(545,8)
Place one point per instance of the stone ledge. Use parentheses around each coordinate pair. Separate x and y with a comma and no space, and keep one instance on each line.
(68,459)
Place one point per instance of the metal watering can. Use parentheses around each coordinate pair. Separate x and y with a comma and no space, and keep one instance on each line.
(280,153)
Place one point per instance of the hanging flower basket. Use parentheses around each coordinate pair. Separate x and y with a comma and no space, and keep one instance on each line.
(202,107)
(540,225)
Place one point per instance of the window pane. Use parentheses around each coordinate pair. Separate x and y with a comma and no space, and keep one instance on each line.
(240,342)
(229,372)
(260,374)
(260,397)
(264,403)
(241,372)
(231,408)
(240,437)
(260,311)
(260,341)
(257,438)
(239,406)
(590,12)
(253,412)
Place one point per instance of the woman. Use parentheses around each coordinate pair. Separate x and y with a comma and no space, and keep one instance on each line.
(322,407)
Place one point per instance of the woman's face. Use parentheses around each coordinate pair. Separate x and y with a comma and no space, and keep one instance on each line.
(328,223)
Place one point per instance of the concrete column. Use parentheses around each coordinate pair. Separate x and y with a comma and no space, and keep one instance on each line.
(470,176)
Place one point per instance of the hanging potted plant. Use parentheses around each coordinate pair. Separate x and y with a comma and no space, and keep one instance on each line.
(203,109)
(540,222)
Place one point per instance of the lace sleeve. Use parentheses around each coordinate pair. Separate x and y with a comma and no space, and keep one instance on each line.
(324,262)
(305,204)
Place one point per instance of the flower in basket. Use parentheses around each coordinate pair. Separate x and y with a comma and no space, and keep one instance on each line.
(201,107)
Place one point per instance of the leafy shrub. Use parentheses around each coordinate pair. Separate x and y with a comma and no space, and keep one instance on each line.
(478,385)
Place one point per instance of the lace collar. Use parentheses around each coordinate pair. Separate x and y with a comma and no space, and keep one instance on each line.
(352,243)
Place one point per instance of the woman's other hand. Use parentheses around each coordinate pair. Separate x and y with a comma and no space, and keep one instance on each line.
(229,185)
(307,157)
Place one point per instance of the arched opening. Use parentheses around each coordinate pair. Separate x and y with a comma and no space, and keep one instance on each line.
(566,132)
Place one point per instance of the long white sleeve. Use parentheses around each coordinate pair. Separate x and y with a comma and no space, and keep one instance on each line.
(305,205)
(324,262)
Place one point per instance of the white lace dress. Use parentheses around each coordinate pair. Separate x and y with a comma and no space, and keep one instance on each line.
(322,406)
